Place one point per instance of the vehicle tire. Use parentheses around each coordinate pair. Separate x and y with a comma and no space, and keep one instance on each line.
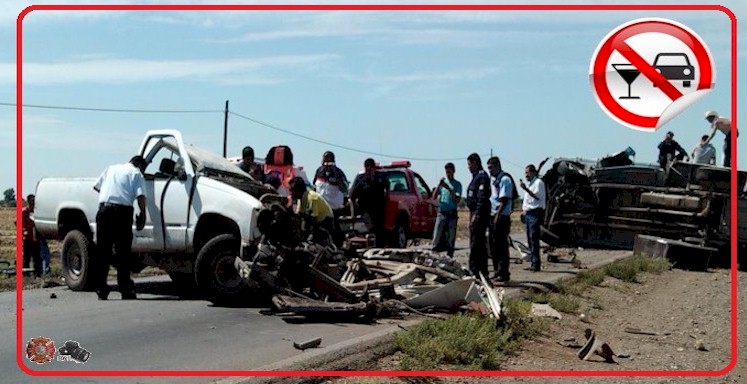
(78,267)
(186,284)
(399,235)
(217,278)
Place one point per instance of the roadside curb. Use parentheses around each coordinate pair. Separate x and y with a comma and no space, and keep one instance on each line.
(362,352)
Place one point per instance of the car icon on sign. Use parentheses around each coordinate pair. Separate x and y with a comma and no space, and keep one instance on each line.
(675,66)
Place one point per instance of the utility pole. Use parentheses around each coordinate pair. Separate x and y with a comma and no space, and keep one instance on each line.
(491,152)
(225,130)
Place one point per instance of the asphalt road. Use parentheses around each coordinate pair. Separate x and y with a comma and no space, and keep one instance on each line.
(156,332)
(161,332)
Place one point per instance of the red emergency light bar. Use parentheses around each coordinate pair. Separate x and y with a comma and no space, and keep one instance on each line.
(398,164)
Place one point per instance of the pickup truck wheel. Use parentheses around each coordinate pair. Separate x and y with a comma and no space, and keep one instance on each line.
(399,236)
(77,265)
(217,278)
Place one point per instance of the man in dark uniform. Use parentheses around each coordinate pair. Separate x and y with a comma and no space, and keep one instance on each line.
(118,187)
(478,202)
(670,150)
(368,196)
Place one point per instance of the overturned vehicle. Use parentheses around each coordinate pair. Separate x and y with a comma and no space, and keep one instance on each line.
(607,203)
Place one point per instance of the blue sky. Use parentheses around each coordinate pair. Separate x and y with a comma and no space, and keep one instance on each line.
(413,84)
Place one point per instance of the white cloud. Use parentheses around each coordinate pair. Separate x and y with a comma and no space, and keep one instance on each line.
(452,75)
(45,131)
(473,38)
(423,84)
(246,70)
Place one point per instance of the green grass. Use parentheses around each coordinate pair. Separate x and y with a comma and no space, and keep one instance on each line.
(472,342)
(582,282)
(561,302)
(627,270)
(469,342)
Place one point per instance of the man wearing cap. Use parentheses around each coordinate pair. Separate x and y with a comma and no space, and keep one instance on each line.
(724,125)
(669,149)
(368,196)
(248,165)
(118,187)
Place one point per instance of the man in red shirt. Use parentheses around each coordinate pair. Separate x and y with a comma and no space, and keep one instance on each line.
(31,250)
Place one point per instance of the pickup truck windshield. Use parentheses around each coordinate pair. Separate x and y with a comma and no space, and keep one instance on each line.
(204,159)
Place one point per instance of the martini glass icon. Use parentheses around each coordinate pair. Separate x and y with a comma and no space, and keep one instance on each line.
(629,73)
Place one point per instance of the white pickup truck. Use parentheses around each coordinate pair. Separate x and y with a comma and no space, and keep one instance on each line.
(201,214)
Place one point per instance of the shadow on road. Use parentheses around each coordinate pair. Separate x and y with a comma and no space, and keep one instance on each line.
(529,284)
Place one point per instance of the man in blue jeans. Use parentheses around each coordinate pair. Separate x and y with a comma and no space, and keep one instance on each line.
(448,192)
(533,208)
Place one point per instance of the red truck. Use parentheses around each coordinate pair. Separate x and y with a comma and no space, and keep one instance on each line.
(410,210)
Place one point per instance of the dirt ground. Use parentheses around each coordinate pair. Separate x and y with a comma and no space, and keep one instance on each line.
(8,254)
(463,224)
(681,307)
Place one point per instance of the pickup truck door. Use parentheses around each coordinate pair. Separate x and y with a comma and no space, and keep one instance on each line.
(401,196)
(426,207)
(168,185)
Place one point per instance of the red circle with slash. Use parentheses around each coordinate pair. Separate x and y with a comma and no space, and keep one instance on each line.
(616,41)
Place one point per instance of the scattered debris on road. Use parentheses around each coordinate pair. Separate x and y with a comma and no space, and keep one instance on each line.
(700,346)
(641,332)
(596,346)
(313,343)
(545,310)
(305,275)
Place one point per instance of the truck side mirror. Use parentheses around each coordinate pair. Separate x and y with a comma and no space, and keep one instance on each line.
(167,166)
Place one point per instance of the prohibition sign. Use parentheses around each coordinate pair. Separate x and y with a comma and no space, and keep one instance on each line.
(661,97)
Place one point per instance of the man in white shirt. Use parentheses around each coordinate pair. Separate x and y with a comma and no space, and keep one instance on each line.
(533,208)
(118,187)
(705,152)
(331,182)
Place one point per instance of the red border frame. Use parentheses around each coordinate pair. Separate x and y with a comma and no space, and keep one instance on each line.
(399,7)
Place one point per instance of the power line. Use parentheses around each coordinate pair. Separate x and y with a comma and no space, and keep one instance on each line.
(114,109)
(338,145)
(267,125)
